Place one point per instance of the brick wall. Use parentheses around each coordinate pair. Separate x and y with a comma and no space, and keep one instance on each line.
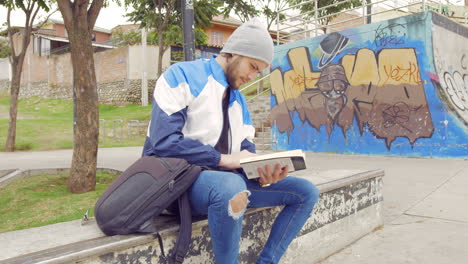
(118,74)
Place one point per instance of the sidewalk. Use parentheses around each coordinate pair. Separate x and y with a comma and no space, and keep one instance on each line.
(425,214)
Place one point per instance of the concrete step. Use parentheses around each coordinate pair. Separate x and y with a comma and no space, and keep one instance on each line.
(263,134)
(259,140)
(263,147)
(350,206)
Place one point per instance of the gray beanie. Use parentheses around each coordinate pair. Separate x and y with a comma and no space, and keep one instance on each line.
(252,40)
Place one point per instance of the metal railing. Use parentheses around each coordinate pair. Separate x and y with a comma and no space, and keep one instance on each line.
(121,131)
(298,25)
(260,90)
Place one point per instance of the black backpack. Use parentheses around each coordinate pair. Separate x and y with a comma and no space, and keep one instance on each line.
(141,193)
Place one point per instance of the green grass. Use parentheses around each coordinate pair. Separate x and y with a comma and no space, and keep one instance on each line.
(252,90)
(44,199)
(45,124)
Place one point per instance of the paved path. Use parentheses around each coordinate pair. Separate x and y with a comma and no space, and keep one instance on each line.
(425,212)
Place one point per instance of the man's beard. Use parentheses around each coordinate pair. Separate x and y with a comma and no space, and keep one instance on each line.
(232,72)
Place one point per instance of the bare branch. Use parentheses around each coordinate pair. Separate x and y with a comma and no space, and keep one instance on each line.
(27,23)
(26,8)
(93,12)
(31,23)
(65,7)
(10,37)
(46,19)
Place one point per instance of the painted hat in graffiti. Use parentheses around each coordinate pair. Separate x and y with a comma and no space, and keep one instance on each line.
(331,45)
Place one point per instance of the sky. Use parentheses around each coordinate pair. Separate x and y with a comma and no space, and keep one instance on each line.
(108,18)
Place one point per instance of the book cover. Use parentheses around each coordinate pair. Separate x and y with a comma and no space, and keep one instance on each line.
(295,159)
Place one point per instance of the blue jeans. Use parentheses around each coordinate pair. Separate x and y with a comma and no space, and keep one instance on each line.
(211,195)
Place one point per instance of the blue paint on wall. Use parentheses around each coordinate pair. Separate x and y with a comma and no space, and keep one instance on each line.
(449,137)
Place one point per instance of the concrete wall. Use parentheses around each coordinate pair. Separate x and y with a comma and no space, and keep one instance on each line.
(135,69)
(373,90)
(5,69)
(118,73)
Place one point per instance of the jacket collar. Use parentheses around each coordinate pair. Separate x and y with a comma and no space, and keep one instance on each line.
(218,72)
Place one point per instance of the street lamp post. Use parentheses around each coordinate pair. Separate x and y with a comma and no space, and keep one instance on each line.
(188,28)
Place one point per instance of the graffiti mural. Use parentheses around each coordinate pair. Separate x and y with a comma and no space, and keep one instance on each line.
(452,72)
(382,91)
(369,90)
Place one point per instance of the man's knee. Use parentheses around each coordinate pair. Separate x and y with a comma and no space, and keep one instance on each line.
(238,204)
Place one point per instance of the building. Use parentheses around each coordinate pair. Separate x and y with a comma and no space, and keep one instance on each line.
(47,69)
(52,38)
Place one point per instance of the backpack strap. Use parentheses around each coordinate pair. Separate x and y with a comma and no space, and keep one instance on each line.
(185,231)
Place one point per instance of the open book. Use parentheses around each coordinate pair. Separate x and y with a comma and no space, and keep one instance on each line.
(295,159)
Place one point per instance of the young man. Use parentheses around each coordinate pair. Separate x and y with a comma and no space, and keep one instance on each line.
(200,115)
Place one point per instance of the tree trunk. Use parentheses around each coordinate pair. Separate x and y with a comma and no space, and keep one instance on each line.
(14,94)
(161,52)
(86,129)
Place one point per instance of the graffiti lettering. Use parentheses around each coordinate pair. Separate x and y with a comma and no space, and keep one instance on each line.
(390,35)
(301,80)
(398,114)
(357,102)
(345,92)
(403,75)
(457,89)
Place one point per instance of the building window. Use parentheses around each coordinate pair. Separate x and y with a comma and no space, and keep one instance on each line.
(217,38)
(45,47)
(37,45)
(41,46)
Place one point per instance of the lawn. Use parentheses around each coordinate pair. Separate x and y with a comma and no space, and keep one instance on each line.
(45,124)
(44,199)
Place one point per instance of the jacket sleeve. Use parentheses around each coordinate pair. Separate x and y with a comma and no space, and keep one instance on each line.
(165,139)
(169,114)
(247,145)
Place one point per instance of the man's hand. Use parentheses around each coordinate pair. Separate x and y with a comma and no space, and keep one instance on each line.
(232,161)
(269,176)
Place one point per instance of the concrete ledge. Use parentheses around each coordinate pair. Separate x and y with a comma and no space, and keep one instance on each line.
(350,207)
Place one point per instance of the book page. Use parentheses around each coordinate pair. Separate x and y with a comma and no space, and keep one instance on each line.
(282,154)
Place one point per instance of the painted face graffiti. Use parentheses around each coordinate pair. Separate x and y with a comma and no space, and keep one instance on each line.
(333,84)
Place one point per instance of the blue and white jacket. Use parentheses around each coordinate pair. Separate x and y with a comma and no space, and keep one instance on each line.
(187,115)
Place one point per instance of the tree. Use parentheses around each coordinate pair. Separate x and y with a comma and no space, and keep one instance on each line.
(165,17)
(245,10)
(174,35)
(270,8)
(30,9)
(327,14)
(79,18)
